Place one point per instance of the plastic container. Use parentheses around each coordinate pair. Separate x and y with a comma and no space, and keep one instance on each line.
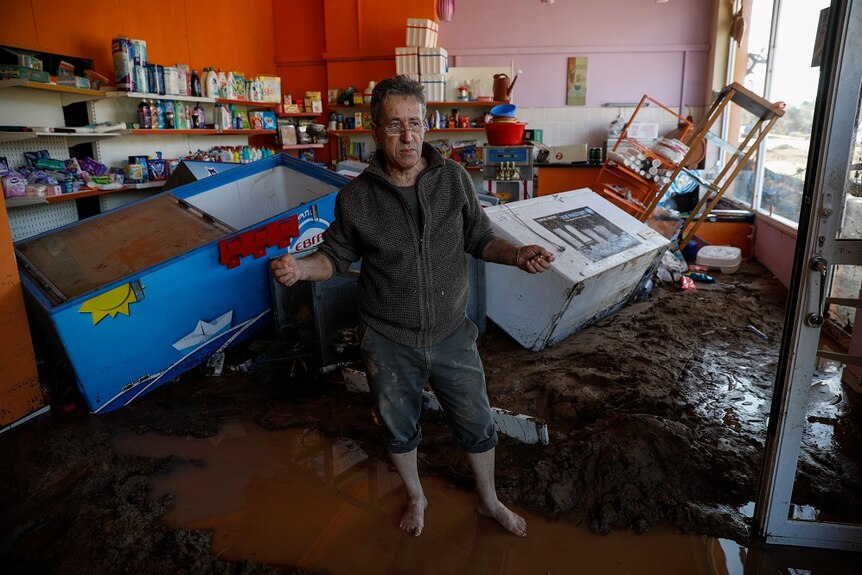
(724,258)
(504,110)
(505,133)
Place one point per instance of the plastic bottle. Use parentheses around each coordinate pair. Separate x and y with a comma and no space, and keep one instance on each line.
(196,84)
(201,122)
(154,115)
(222,84)
(169,115)
(230,86)
(144,118)
(218,112)
(212,85)
(160,109)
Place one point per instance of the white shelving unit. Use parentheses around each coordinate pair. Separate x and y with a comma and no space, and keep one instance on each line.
(24,103)
(40,107)
(122,107)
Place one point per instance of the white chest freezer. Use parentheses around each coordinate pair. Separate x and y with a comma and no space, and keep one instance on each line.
(602,254)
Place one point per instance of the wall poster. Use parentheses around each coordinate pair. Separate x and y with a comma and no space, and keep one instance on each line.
(576,81)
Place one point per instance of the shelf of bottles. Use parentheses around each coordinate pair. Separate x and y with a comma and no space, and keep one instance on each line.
(634,176)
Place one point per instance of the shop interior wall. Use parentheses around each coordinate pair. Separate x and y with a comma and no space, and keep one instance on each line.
(633,47)
(220,33)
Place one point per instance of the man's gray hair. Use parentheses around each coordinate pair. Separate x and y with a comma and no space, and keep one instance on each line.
(395,86)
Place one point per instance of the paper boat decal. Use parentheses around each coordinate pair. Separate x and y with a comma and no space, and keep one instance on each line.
(204,331)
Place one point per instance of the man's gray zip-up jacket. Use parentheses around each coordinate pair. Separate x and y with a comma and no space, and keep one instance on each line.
(413,285)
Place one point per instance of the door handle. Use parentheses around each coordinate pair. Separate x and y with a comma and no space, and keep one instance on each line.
(815,319)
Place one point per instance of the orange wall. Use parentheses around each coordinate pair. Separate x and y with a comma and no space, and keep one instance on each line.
(339,43)
(20,393)
(221,33)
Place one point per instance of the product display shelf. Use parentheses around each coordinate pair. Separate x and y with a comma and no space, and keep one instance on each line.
(455,104)
(624,186)
(36,105)
(473,106)
(298,115)
(149,96)
(456,130)
(171,143)
(32,201)
(249,103)
(302,146)
(68,94)
(197,132)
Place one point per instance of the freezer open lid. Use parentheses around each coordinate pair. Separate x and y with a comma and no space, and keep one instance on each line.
(77,259)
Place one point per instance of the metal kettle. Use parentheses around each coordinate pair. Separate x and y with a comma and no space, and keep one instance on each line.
(503,88)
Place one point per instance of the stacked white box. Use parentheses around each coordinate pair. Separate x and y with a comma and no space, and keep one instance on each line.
(602,255)
(433,61)
(435,87)
(407,60)
(421,32)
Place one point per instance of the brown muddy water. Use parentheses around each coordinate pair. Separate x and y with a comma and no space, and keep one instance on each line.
(294,497)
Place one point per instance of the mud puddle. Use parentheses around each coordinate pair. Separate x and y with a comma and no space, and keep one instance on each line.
(294,497)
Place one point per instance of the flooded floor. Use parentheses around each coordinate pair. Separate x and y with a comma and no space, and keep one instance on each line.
(294,497)
(657,418)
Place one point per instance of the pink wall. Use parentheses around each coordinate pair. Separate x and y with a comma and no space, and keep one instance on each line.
(634,47)
(774,247)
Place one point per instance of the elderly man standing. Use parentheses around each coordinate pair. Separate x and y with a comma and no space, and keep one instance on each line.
(410,216)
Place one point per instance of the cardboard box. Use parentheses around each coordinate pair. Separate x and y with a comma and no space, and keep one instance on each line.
(270,89)
(32,74)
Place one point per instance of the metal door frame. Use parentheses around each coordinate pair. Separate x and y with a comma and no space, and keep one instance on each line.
(832,140)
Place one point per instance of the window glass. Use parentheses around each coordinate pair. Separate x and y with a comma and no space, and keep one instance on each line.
(780,173)
(794,81)
(750,71)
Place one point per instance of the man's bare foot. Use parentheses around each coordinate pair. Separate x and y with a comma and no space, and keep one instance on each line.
(413,519)
(511,521)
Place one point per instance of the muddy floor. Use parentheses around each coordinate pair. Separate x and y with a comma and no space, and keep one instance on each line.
(657,417)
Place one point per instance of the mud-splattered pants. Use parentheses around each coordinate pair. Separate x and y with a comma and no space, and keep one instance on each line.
(453,368)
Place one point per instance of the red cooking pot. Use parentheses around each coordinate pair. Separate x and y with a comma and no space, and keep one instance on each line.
(505,133)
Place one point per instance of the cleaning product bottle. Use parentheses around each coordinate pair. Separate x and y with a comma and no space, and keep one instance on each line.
(181,117)
(160,109)
(222,84)
(144,115)
(201,121)
(212,85)
(154,115)
(169,115)
(230,86)
(196,84)
(218,112)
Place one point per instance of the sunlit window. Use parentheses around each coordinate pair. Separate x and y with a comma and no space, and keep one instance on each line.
(775,60)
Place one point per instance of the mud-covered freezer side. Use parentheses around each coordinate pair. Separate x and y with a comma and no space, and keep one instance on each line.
(128,336)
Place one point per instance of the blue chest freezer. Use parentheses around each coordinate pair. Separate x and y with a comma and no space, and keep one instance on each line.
(137,296)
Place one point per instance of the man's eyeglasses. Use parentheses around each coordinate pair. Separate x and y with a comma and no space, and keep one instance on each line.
(396,128)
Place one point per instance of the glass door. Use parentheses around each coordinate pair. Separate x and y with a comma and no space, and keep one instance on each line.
(808,409)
